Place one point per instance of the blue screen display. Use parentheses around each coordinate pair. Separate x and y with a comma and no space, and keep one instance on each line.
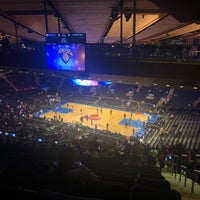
(84,82)
(70,57)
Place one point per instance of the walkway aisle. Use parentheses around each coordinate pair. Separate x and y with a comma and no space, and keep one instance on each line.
(186,193)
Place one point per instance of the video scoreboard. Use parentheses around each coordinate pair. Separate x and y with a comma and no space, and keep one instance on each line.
(66,38)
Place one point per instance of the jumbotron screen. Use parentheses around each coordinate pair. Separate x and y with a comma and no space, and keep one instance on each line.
(66,51)
(70,57)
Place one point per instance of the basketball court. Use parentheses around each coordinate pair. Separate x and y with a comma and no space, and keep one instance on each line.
(116,121)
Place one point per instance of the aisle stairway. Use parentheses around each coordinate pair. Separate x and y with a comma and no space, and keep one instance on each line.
(186,193)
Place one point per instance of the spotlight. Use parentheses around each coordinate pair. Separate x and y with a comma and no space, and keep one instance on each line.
(6,133)
(114,14)
(127,14)
(29,31)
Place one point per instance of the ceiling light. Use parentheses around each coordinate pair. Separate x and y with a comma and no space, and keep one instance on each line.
(29,31)
(114,14)
(127,14)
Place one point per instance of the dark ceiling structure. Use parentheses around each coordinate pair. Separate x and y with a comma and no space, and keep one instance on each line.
(132,22)
(107,21)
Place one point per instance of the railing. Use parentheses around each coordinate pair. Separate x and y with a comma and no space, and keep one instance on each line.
(190,169)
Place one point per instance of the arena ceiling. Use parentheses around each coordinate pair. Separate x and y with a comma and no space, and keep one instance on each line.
(104,21)
(151,21)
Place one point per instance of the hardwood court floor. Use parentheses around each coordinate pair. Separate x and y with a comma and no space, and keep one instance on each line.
(79,110)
